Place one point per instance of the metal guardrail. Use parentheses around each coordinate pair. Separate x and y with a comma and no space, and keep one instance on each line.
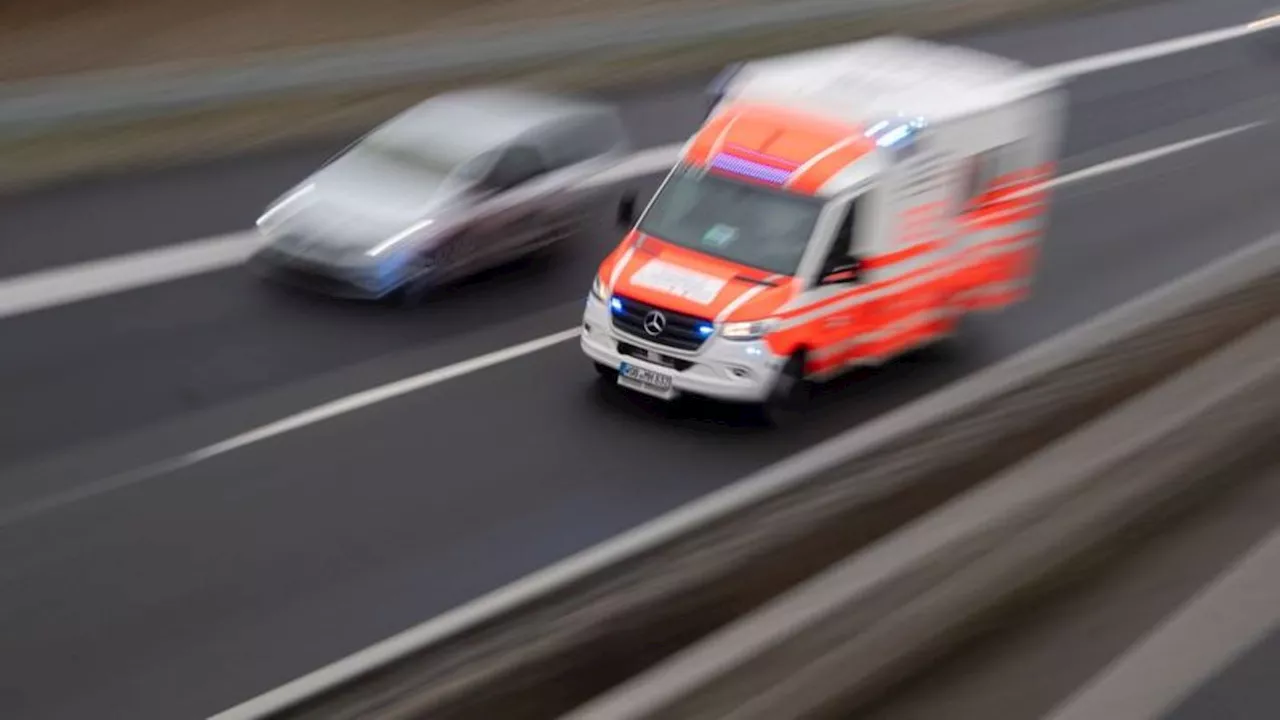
(575,629)
(122,94)
(828,647)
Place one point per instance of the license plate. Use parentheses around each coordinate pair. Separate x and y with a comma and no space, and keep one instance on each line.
(646,381)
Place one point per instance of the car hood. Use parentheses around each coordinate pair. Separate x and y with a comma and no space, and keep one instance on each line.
(352,204)
(694,283)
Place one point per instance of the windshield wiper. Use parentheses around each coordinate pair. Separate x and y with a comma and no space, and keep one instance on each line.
(758,281)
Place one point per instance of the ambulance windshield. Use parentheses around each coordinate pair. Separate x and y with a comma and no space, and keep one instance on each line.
(736,220)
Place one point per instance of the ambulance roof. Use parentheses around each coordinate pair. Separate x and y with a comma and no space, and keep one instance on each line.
(874,79)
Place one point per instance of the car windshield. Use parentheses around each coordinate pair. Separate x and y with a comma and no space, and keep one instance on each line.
(437,161)
(738,221)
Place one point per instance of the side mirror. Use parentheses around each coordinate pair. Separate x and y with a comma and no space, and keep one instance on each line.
(843,270)
(627,211)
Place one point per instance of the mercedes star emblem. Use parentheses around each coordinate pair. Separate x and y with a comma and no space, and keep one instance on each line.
(654,323)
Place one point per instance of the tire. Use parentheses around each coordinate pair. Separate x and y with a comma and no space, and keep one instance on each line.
(410,295)
(414,292)
(606,380)
(789,396)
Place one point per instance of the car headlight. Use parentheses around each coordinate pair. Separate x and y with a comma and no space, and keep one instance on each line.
(277,210)
(751,330)
(394,241)
(597,289)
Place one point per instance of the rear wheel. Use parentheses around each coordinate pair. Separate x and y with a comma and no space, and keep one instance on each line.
(789,396)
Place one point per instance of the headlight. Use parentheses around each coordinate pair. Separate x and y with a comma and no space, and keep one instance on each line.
(753,330)
(597,289)
(391,242)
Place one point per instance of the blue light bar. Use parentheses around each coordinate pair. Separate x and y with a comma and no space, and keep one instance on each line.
(706,329)
(616,304)
(894,136)
(747,168)
(890,133)
(741,151)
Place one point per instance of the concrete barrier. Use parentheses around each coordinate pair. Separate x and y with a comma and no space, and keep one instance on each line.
(550,642)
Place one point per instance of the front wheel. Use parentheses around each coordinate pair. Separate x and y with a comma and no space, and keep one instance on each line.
(415,290)
(789,396)
(949,342)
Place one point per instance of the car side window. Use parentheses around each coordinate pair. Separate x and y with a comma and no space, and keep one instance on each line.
(516,166)
(581,139)
(562,146)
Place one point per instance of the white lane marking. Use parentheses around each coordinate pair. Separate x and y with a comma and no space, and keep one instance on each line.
(329,410)
(28,293)
(1220,623)
(392,390)
(1128,161)
(61,286)
(1142,53)
(364,399)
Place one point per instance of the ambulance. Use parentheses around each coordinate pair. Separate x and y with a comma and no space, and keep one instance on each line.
(837,208)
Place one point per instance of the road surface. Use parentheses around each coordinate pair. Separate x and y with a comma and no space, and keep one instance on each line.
(130,589)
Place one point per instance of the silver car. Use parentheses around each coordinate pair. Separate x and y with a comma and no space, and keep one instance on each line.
(462,182)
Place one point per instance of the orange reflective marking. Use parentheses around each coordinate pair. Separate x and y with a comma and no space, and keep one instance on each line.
(879,262)
(989,299)
(864,289)
(915,334)
(996,217)
(922,223)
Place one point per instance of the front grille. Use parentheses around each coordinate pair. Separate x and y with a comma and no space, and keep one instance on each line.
(635,351)
(681,331)
(312,277)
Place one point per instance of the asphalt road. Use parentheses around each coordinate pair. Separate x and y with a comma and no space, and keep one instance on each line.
(178,593)
(1246,690)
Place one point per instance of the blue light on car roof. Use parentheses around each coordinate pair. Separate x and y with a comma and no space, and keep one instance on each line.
(889,134)
(736,165)
(616,304)
(894,136)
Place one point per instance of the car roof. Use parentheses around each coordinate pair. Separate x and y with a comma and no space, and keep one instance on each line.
(480,119)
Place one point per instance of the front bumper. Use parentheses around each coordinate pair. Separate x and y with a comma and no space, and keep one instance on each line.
(326,278)
(721,369)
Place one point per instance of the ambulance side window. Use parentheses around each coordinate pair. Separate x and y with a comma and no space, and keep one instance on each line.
(980,171)
(841,264)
